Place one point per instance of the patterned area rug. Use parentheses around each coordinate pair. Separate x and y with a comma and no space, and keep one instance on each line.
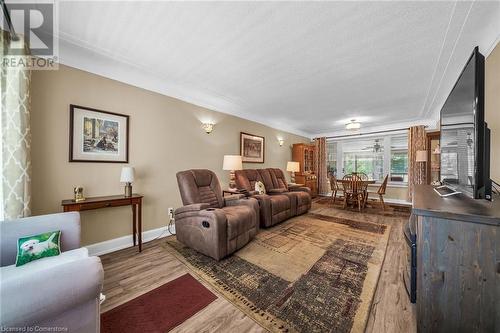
(373,207)
(312,273)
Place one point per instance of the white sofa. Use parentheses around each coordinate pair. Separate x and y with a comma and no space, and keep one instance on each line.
(61,291)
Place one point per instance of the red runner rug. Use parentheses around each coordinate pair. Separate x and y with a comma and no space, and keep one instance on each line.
(159,310)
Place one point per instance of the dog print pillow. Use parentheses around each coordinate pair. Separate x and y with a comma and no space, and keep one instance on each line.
(260,188)
(37,247)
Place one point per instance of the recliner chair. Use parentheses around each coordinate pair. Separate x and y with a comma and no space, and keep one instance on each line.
(210,223)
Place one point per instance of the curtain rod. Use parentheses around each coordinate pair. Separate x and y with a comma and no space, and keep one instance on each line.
(13,35)
(369,133)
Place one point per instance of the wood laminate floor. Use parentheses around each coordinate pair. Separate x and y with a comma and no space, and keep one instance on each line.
(128,274)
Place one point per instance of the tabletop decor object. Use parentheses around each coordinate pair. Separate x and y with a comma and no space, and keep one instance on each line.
(127,177)
(78,191)
(421,159)
(292,167)
(232,163)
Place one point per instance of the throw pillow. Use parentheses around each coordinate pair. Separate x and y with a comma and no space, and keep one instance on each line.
(260,188)
(38,246)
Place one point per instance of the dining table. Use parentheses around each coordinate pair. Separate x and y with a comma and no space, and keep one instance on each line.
(364,182)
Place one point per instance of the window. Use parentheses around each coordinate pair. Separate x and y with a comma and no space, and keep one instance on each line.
(374,156)
(364,156)
(399,159)
(331,162)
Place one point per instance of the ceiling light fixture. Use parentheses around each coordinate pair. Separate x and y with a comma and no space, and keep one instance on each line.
(353,125)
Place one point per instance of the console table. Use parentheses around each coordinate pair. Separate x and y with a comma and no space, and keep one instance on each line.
(135,201)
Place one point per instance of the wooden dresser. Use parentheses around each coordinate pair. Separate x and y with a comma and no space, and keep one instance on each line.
(305,154)
(458,262)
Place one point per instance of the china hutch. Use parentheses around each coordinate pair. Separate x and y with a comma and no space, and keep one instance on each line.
(305,154)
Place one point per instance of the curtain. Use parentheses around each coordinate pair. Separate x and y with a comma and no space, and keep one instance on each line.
(320,167)
(15,140)
(416,142)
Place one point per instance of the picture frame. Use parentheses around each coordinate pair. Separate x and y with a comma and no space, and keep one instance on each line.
(252,148)
(98,136)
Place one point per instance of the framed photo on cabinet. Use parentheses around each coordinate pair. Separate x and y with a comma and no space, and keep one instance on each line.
(97,136)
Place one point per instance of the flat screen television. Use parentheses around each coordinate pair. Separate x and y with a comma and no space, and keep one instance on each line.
(464,134)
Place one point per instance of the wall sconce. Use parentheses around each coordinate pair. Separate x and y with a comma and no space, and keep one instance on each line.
(207,127)
(281,141)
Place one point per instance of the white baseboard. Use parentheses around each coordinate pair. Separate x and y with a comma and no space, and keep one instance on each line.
(119,243)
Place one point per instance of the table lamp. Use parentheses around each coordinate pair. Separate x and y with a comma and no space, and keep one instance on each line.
(421,158)
(127,177)
(292,167)
(232,163)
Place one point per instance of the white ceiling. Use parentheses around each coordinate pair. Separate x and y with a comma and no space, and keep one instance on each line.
(305,67)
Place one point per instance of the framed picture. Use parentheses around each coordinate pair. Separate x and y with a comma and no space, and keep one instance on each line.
(97,136)
(252,148)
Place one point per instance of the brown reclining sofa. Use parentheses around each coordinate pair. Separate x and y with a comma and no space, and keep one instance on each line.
(280,202)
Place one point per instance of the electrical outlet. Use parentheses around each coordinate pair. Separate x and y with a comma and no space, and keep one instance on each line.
(171,213)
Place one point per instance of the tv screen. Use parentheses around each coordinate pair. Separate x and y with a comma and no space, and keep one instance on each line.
(462,130)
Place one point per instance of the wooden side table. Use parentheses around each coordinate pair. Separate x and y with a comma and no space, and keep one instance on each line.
(135,201)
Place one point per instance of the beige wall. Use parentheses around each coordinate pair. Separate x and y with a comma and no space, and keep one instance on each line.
(165,137)
(492,108)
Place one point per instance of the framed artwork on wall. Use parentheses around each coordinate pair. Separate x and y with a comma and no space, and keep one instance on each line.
(252,148)
(97,136)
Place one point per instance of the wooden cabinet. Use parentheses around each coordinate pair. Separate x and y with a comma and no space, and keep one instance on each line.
(305,154)
(458,262)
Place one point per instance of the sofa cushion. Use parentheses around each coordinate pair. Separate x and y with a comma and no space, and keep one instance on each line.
(279,203)
(246,179)
(303,198)
(39,246)
(279,179)
(267,178)
(239,220)
(199,186)
(260,188)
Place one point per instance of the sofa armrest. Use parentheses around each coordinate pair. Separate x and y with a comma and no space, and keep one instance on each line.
(300,189)
(32,298)
(191,208)
(276,191)
(12,230)
(228,201)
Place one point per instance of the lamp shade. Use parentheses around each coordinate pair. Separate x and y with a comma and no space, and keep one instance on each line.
(421,156)
(293,167)
(127,175)
(232,162)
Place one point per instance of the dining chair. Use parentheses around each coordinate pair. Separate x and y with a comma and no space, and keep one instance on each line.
(335,188)
(380,192)
(353,190)
(361,175)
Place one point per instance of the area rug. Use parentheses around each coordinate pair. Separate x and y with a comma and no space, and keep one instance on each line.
(159,310)
(373,207)
(312,273)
